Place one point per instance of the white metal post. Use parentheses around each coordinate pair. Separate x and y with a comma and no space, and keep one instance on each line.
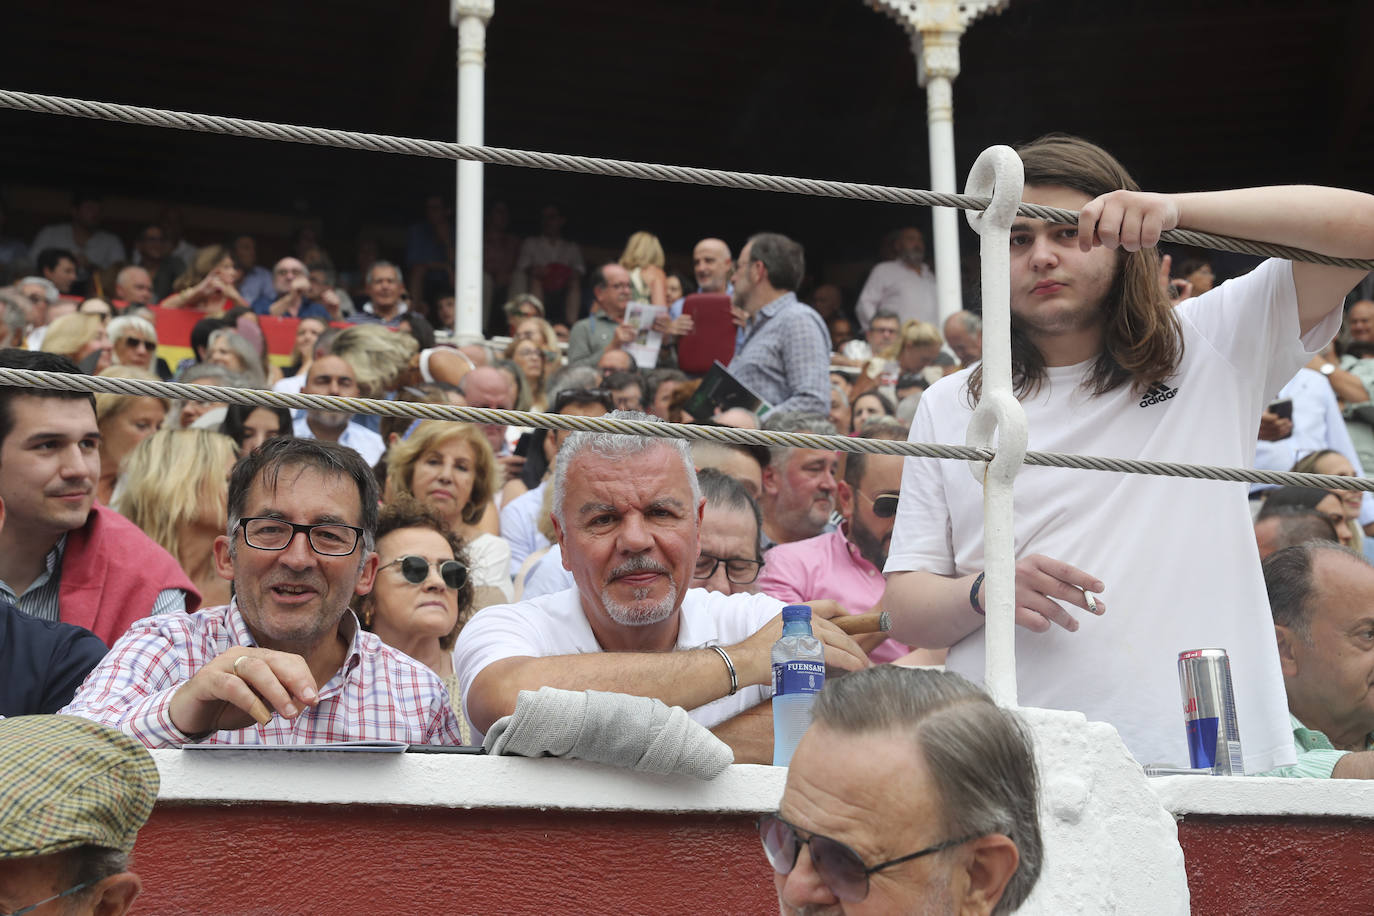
(998,172)
(938,52)
(470,17)
(935,27)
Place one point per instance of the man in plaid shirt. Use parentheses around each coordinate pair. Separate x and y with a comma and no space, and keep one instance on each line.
(285,662)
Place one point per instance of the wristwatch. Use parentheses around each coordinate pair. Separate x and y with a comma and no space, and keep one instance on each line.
(1327,369)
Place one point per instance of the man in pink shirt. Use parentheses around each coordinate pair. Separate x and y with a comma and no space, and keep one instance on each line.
(846,565)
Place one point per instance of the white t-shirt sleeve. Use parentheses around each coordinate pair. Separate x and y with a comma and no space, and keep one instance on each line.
(922,535)
(489,564)
(1254,319)
(493,633)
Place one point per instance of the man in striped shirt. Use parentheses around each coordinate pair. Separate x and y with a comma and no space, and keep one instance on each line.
(285,662)
(1322,598)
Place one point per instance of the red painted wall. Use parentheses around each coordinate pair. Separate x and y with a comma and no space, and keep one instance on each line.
(305,859)
(1243,865)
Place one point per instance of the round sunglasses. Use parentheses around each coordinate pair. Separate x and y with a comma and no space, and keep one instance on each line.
(416,570)
(838,866)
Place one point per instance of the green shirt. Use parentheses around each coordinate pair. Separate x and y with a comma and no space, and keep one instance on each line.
(1317,756)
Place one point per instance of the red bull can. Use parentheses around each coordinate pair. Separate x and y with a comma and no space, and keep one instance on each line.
(1209,711)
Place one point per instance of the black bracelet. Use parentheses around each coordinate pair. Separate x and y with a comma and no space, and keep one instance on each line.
(973,596)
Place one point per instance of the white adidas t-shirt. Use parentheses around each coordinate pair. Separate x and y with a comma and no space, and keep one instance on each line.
(556,625)
(1177,556)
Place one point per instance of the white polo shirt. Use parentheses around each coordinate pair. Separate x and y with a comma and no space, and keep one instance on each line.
(556,625)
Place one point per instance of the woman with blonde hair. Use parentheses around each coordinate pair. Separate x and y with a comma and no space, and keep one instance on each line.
(208,284)
(77,337)
(382,360)
(450,468)
(918,346)
(124,420)
(533,362)
(175,487)
(542,333)
(643,258)
(422,595)
(1330,461)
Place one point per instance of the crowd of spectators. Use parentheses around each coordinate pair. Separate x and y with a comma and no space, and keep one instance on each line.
(475,501)
(263,575)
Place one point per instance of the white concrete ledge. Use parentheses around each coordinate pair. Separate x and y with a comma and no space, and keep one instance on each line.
(1260,796)
(455,781)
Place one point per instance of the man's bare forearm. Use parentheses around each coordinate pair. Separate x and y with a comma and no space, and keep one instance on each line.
(1357,765)
(1348,387)
(749,734)
(929,611)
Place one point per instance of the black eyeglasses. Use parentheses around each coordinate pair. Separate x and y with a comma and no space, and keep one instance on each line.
(884,504)
(67,893)
(328,540)
(138,343)
(738,570)
(416,570)
(584,396)
(840,867)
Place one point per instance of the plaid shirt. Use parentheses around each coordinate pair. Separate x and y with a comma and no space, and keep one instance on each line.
(379,694)
(784,357)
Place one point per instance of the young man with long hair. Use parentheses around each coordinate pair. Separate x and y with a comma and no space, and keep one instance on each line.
(1104,365)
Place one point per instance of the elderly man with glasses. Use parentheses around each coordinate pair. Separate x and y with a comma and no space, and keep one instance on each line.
(73,796)
(627,512)
(285,662)
(846,565)
(911,792)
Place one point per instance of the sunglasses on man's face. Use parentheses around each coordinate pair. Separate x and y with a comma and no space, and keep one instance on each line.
(839,867)
(416,570)
(137,343)
(884,505)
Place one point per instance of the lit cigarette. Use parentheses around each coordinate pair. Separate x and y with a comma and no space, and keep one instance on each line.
(860,624)
(1092,602)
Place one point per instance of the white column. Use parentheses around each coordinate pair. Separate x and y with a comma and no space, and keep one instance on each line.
(470,17)
(935,27)
(937,50)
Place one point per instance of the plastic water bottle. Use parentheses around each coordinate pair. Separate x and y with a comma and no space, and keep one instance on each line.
(798,674)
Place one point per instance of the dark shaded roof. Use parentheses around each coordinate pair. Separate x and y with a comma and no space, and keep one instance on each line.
(1189,94)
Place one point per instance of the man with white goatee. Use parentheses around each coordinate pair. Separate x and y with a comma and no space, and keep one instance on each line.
(627,512)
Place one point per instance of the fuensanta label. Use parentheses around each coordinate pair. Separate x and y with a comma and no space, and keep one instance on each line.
(798,676)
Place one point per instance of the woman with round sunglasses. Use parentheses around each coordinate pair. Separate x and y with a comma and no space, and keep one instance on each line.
(422,595)
(135,342)
(450,468)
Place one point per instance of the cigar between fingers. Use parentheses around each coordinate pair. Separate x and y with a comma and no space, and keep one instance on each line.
(259,711)
(861,624)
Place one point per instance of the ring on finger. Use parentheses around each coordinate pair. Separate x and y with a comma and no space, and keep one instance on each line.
(238,661)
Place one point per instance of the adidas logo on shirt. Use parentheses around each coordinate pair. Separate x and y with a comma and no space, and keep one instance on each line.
(1158,393)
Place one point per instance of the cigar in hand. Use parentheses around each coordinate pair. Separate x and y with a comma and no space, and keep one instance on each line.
(860,624)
